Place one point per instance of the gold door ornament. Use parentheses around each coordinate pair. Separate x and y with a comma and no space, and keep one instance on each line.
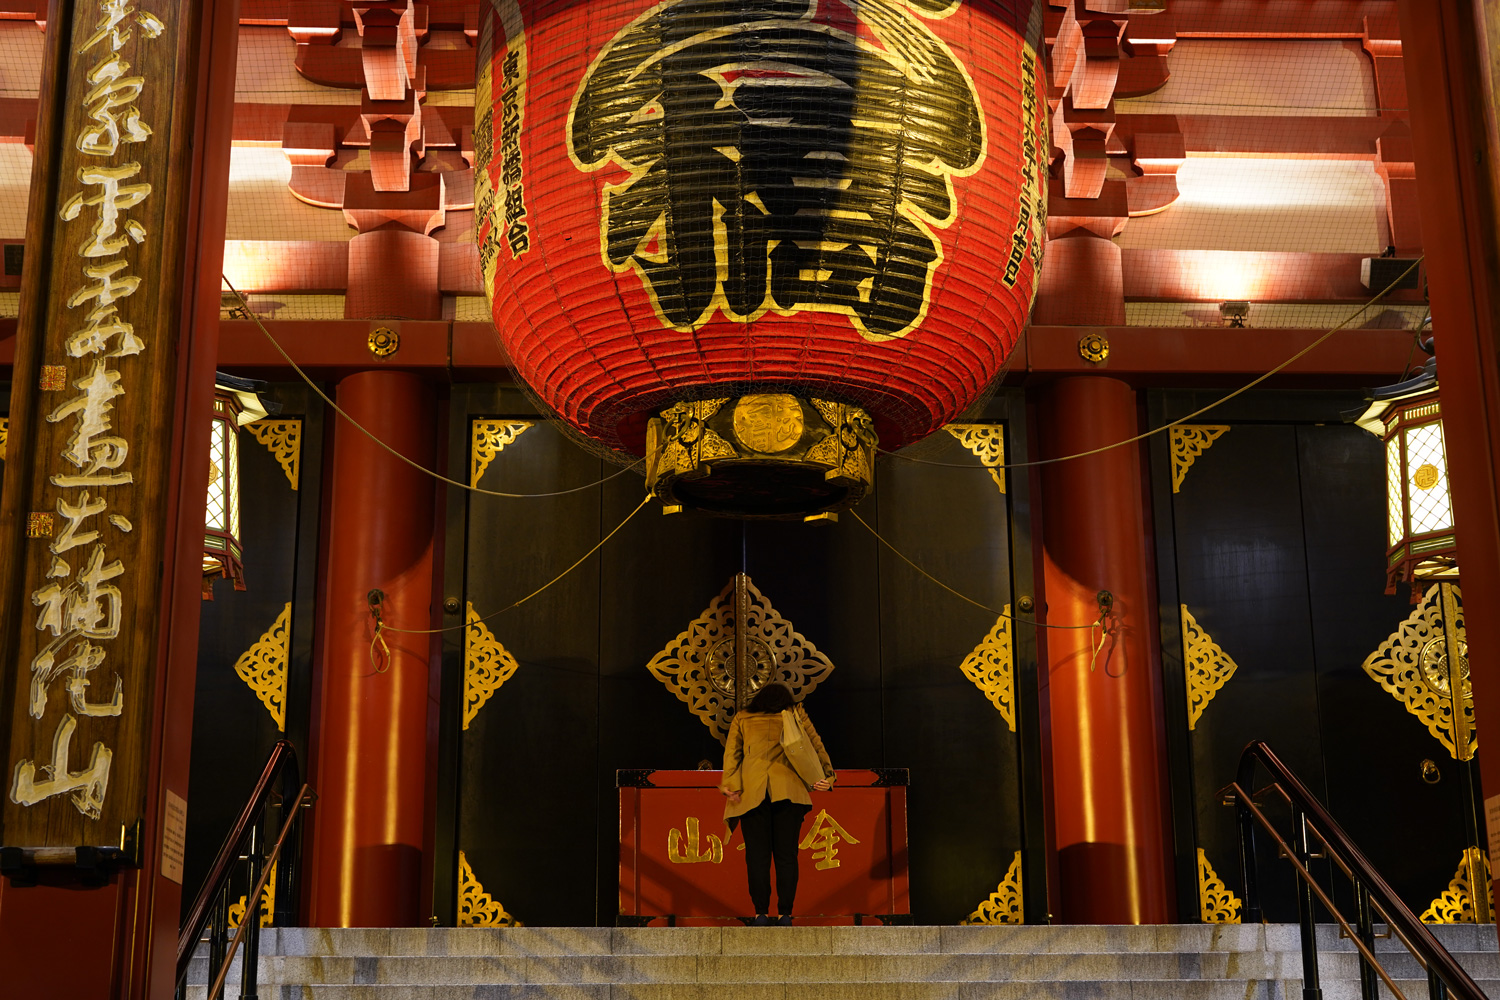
(488,439)
(1188,442)
(1456,904)
(4,436)
(1207,666)
(991,666)
(477,908)
(1217,902)
(987,443)
(263,666)
(487,664)
(283,439)
(739,644)
(267,903)
(1415,666)
(1005,905)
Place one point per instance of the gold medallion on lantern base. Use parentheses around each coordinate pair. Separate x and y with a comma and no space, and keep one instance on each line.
(768,455)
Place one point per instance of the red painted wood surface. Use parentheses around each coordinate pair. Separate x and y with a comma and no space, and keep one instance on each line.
(668,874)
(371,757)
(1108,783)
(1456,145)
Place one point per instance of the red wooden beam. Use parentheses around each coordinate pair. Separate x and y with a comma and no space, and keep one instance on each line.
(471,352)
(1165,355)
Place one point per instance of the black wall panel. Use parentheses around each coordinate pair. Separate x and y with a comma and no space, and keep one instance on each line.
(233,731)
(534,779)
(1276,542)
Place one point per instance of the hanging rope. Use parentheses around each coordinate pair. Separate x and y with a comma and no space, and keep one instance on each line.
(381,626)
(370,434)
(1181,420)
(962,597)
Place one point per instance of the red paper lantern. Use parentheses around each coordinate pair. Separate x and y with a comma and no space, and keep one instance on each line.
(757,234)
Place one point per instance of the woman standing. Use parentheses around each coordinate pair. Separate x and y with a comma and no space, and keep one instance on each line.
(767,797)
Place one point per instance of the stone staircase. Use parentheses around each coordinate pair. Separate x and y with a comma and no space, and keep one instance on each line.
(1182,962)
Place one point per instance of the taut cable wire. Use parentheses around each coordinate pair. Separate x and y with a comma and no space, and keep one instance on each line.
(371,435)
(982,607)
(1191,416)
(381,626)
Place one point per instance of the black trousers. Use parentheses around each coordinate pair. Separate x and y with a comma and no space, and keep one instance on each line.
(771,830)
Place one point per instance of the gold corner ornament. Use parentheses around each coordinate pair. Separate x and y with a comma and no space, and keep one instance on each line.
(1207,666)
(477,908)
(283,439)
(807,455)
(267,903)
(991,666)
(1217,902)
(1188,442)
(1414,666)
(1005,904)
(736,646)
(4,436)
(263,666)
(487,664)
(1455,905)
(488,439)
(987,443)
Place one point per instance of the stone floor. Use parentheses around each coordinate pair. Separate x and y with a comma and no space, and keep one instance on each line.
(1180,962)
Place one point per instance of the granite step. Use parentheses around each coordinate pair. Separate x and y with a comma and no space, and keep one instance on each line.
(1183,962)
(1082,990)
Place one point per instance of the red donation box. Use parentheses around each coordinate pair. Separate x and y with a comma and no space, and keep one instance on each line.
(751,239)
(680,864)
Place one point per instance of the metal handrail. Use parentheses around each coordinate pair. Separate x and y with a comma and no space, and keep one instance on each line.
(260,884)
(1372,893)
(242,839)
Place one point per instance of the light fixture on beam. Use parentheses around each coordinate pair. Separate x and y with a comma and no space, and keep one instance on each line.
(1235,312)
(235,404)
(1420,535)
(1383,274)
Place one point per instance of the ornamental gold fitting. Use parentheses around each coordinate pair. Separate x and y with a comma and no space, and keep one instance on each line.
(383,342)
(768,455)
(1093,348)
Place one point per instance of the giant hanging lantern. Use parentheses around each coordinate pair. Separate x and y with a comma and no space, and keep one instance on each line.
(749,239)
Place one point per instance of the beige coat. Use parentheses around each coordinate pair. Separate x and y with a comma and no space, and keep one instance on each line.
(756,766)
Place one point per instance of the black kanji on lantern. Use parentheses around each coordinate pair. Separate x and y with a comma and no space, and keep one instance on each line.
(782,155)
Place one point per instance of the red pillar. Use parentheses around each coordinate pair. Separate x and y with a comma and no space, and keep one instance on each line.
(1453,123)
(1107,762)
(371,757)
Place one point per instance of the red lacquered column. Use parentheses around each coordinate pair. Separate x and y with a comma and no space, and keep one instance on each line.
(1450,80)
(366,863)
(1107,773)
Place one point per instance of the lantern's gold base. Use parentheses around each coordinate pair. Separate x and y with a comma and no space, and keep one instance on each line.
(769,455)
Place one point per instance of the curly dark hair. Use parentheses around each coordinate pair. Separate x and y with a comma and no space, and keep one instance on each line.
(774,697)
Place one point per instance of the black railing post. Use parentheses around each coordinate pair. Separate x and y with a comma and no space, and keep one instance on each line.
(1244,781)
(1435,988)
(1369,981)
(250,952)
(218,937)
(1306,913)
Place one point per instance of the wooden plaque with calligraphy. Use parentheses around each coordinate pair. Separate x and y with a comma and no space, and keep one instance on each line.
(91,420)
(679,863)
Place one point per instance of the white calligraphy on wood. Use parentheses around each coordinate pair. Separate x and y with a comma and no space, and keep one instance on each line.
(83,612)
